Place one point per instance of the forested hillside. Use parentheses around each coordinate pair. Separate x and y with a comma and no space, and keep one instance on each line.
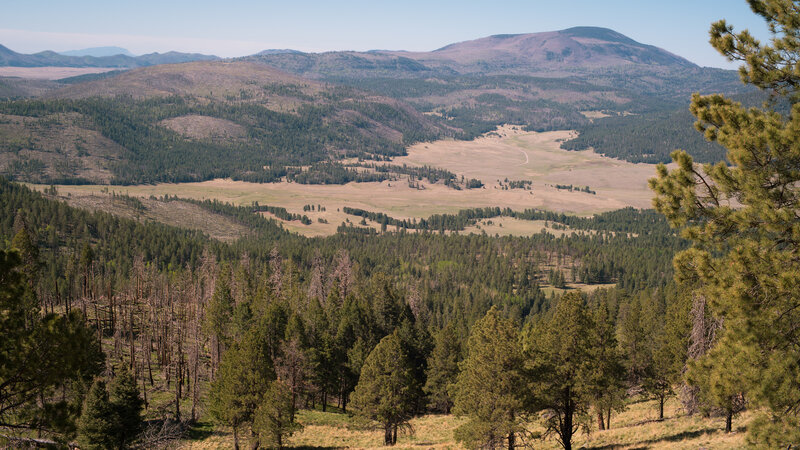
(324,303)
(202,121)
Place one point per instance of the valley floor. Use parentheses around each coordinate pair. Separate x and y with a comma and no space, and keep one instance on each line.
(506,155)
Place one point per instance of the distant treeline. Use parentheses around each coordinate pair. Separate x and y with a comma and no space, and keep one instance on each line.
(646,138)
(627,220)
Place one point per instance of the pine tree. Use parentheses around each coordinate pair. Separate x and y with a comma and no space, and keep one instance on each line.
(443,368)
(385,388)
(562,367)
(127,405)
(98,426)
(219,313)
(39,354)
(721,376)
(608,373)
(416,342)
(25,243)
(489,389)
(242,379)
(742,220)
(274,421)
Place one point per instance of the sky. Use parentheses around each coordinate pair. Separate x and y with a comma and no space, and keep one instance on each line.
(242,27)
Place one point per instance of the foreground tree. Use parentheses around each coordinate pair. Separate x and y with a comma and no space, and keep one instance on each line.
(242,380)
(45,360)
(742,219)
(720,377)
(274,418)
(98,425)
(127,405)
(385,388)
(564,371)
(607,379)
(489,389)
(443,369)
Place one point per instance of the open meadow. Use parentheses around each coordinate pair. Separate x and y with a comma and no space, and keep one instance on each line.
(508,154)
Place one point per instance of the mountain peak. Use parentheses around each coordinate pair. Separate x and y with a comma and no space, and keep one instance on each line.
(600,33)
(573,48)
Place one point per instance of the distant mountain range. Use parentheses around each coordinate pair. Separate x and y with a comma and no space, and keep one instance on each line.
(574,49)
(570,49)
(48,58)
(98,52)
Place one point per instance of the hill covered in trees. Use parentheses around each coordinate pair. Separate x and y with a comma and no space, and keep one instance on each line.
(200,121)
(307,312)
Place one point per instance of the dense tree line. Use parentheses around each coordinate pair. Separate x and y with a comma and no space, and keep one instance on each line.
(645,138)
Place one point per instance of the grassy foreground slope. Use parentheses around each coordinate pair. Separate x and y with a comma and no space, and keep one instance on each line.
(635,428)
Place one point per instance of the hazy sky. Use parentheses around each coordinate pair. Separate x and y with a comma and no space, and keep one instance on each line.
(242,27)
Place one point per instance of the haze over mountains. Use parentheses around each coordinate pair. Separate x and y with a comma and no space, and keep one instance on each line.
(98,52)
(281,108)
(48,58)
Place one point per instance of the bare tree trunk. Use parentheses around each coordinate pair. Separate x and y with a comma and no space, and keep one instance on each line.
(702,338)
(387,434)
(600,423)
(144,390)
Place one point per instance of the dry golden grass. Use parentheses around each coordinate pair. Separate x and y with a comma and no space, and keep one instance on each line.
(638,427)
(635,428)
(204,127)
(594,114)
(335,430)
(510,226)
(518,155)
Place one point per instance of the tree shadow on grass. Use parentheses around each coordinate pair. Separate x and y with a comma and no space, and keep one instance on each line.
(310,447)
(671,438)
